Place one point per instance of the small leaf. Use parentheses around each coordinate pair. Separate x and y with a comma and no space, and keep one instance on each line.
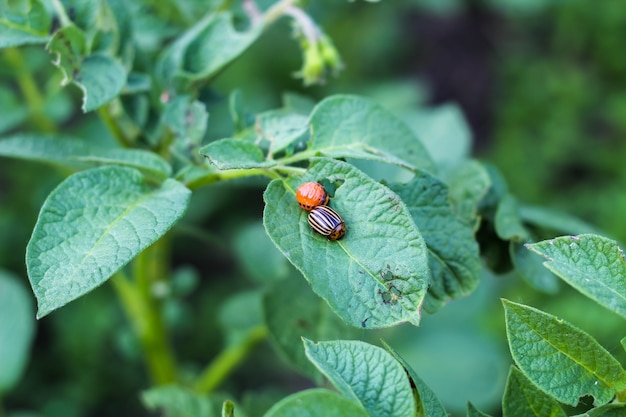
(531,269)
(428,405)
(101,78)
(592,264)
(474,412)
(204,50)
(453,255)
(562,360)
(508,222)
(235,154)
(350,126)
(179,401)
(228,409)
(608,410)
(68,46)
(364,373)
(257,255)
(377,275)
(91,225)
(282,127)
(468,184)
(292,312)
(523,399)
(316,403)
(188,120)
(444,132)
(17,329)
(77,154)
(26,26)
(554,220)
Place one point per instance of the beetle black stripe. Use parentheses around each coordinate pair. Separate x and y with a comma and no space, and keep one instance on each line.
(324,220)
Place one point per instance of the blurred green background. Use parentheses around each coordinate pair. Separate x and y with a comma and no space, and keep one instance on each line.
(542,85)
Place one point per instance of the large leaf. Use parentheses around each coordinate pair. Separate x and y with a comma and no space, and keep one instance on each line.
(316,403)
(453,256)
(26,23)
(592,264)
(523,399)
(16,330)
(377,275)
(101,78)
(349,126)
(76,154)
(560,359)
(364,373)
(428,405)
(235,154)
(204,50)
(91,225)
(292,312)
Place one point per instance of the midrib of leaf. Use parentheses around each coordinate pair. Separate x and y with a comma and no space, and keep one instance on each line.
(26,29)
(353,258)
(570,270)
(106,232)
(579,362)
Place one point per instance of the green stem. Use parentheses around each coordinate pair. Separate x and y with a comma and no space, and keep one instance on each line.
(110,122)
(29,90)
(277,11)
(228,359)
(61,14)
(145,310)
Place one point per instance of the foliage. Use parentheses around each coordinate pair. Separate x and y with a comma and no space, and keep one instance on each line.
(141,171)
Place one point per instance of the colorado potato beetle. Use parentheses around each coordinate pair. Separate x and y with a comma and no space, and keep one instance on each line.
(327,222)
(310,195)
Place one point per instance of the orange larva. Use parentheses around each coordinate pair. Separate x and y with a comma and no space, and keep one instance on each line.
(310,195)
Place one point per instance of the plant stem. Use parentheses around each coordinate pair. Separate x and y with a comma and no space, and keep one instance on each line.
(61,14)
(29,90)
(144,310)
(277,11)
(111,124)
(228,359)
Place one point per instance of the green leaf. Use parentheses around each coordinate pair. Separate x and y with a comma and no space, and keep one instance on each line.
(349,126)
(179,401)
(428,405)
(292,312)
(17,329)
(468,184)
(258,257)
(235,154)
(68,47)
(444,132)
(316,403)
(554,220)
(24,26)
(204,50)
(508,222)
(188,120)
(592,264)
(91,225)
(377,275)
(562,360)
(364,373)
(453,256)
(78,154)
(523,399)
(474,412)
(531,269)
(282,127)
(101,78)
(608,410)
